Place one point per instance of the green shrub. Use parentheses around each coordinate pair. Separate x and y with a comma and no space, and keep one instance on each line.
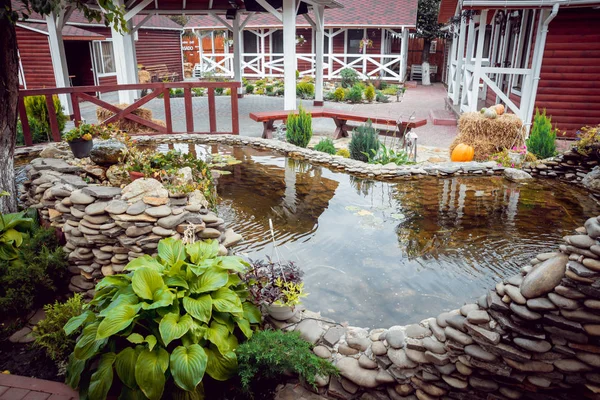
(364,141)
(386,155)
(343,152)
(339,94)
(219,91)
(169,321)
(39,120)
(299,128)
(326,146)
(249,88)
(227,92)
(391,90)
(354,95)
(381,98)
(14,229)
(305,90)
(542,139)
(273,354)
(280,91)
(260,83)
(269,89)
(198,91)
(370,93)
(49,333)
(349,77)
(35,276)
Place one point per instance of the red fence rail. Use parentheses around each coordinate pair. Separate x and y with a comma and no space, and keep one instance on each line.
(79,93)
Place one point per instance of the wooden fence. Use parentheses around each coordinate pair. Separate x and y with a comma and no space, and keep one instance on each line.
(79,93)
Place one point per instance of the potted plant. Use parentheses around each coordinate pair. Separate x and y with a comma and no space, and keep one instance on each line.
(80,140)
(137,162)
(277,286)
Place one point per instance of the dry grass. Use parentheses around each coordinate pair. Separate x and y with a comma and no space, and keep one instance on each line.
(488,136)
(144,76)
(127,125)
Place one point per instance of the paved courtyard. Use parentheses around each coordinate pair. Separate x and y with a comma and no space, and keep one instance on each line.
(418,101)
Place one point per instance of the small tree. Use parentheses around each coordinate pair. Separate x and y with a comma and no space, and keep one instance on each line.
(428,28)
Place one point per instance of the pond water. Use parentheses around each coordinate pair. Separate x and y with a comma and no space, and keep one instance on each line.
(378,254)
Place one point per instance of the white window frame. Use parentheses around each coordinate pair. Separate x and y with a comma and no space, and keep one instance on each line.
(519,50)
(433,47)
(96,46)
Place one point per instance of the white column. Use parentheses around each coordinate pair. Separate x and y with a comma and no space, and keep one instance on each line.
(403,54)
(289,54)
(59,60)
(319,37)
(478,58)
(237,51)
(460,55)
(125,62)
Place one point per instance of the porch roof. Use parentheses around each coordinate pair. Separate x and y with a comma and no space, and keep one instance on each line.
(355,13)
(69,32)
(448,5)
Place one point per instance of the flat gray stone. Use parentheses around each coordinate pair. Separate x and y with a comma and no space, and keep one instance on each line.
(350,369)
(395,338)
(544,277)
(563,302)
(399,358)
(581,241)
(524,312)
(310,330)
(433,345)
(322,352)
(78,197)
(478,317)
(581,270)
(333,335)
(378,348)
(158,212)
(476,351)
(366,362)
(536,346)
(117,207)
(417,331)
(457,336)
(160,231)
(102,192)
(172,221)
(97,208)
(540,304)
(136,208)
(515,294)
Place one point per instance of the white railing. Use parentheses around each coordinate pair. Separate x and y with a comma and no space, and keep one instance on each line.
(263,65)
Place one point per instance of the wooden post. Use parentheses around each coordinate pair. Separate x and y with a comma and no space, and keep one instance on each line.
(237,50)
(320,28)
(212,116)
(404,54)
(52,117)
(57,53)
(235,121)
(76,110)
(125,59)
(459,60)
(167,102)
(478,58)
(25,122)
(189,112)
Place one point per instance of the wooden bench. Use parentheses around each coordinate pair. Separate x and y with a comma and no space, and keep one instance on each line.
(160,73)
(416,71)
(340,118)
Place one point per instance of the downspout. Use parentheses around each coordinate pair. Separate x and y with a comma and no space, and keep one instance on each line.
(537,65)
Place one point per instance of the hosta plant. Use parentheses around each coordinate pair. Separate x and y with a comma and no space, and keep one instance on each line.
(168,321)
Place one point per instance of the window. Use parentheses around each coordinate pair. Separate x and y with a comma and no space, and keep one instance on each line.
(277,42)
(524,49)
(250,45)
(104,57)
(433,47)
(354,38)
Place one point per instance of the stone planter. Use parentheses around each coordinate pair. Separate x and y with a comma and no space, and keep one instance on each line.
(81,148)
(133,175)
(281,313)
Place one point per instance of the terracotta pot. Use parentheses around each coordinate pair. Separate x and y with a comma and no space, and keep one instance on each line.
(281,313)
(81,148)
(133,175)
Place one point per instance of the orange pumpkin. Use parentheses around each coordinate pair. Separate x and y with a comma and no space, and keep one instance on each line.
(499,109)
(462,152)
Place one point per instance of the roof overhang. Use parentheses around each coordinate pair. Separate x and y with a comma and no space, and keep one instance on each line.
(69,33)
(526,3)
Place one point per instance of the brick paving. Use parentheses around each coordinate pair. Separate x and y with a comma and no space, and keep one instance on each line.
(14,387)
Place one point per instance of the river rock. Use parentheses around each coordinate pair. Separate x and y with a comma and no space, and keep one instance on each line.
(395,338)
(562,302)
(544,277)
(417,331)
(478,317)
(322,352)
(158,212)
(378,348)
(107,152)
(399,358)
(478,352)
(592,180)
(143,187)
(536,346)
(516,175)
(515,294)
(351,370)
(116,207)
(172,221)
(78,197)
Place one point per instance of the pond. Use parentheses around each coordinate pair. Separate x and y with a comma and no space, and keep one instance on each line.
(378,254)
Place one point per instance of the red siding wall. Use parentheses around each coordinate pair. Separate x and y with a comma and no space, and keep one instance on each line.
(569,88)
(159,47)
(35,57)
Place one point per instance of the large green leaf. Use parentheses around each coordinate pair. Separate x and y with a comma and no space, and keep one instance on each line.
(171,251)
(87,345)
(225,300)
(210,281)
(145,261)
(232,263)
(75,322)
(244,326)
(162,298)
(252,313)
(125,365)
(201,250)
(120,300)
(220,366)
(103,377)
(16,221)
(119,319)
(117,280)
(145,282)
(224,319)
(200,308)
(176,281)
(188,365)
(172,326)
(197,332)
(150,369)
(219,335)
(74,370)
(12,237)
(129,394)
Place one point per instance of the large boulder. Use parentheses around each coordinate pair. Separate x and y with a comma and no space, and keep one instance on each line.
(516,175)
(144,187)
(107,152)
(592,180)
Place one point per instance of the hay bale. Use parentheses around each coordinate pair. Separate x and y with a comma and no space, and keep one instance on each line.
(126,125)
(488,136)
(144,76)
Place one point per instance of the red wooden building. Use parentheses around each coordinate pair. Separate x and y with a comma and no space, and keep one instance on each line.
(526,54)
(89,52)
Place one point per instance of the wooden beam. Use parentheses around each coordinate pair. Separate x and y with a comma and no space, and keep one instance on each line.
(142,22)
(310,21)
(270,9)
(136,10)
(221,20)
(243,24)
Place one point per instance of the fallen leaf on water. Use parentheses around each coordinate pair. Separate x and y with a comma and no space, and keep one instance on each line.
(362,213)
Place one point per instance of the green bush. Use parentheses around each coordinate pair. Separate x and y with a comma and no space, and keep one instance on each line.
(35,276)
(354,95)
(269,89)
(343,152)
(249,88)
(339,94)
(349,77)
(364,142)
(542,139)
(39,120)
(370,93)
(386,155)
(381,98)
(219,91)
(169,321)
(299,128)
(305,90)
(391,90)
(280,91)
(49,333)
(326,146)
(198,91)
(260,83)
(273,354)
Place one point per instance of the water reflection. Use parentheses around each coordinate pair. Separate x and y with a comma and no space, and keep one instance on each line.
(378,254)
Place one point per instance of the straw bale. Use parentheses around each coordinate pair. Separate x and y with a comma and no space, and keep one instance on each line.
(144,76)
(126,124)
(488,136)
